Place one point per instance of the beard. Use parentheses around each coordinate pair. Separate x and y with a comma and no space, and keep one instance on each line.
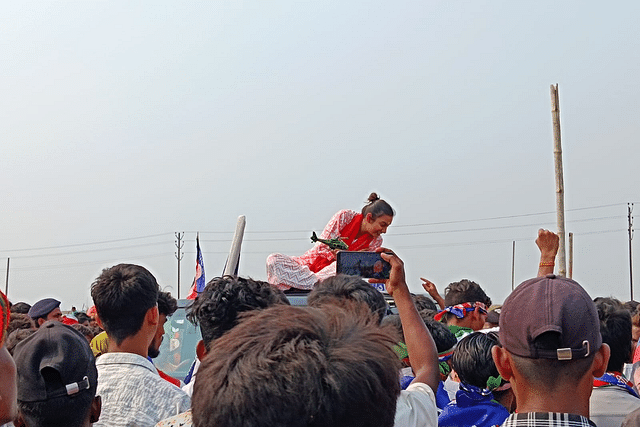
(153,352)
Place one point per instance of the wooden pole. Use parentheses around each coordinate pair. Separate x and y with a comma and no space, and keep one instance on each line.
(557,150)
(513,266)
(570,255)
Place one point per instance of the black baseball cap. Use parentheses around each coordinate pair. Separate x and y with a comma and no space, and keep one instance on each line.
(55,361)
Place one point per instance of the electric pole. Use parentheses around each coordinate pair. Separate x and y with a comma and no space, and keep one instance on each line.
(179,255)
(630,206)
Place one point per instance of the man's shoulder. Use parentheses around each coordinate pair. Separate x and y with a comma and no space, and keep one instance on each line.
(416,406)
(610,401)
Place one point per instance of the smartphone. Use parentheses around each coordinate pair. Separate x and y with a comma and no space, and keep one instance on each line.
(364,264)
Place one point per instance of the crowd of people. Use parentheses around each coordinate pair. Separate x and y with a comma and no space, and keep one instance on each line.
(549,355)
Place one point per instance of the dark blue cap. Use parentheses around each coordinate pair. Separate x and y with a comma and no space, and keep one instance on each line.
(43,307)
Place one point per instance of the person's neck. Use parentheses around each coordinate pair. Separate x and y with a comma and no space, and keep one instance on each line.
(569,399)
(136,344)
(465,322)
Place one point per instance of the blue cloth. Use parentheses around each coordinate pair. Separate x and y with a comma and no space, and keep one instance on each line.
(405,381)
(472,407)
(442,397)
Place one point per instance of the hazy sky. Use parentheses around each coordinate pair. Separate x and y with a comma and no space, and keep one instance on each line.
(124,122)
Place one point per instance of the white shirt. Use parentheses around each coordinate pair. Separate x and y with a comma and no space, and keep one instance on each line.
(133,394)
(416,407)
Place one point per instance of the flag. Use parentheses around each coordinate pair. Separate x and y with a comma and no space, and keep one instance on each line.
(198,281)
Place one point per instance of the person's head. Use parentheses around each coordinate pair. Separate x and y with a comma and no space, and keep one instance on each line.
(83,319)
(124,296)
(45,309)
(57,378)
(20,307)
(493,317)
(20,321)
(300,366)
(8,407)
(352,288)
(472,359)
(167,305)
(218,307)
(377,215)
(86,331)
(635,327)
(551,342)
(615,328)
(466,304)
(423,302)
(15,337)
(444,340)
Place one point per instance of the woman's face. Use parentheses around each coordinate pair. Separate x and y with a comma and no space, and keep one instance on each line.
(378,226)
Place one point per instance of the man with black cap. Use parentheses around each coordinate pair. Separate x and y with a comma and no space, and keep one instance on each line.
(551,351)
(45,309)
(57,378)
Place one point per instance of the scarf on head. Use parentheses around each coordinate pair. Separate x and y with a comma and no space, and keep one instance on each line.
(461,310)
(5,314)
(615,379)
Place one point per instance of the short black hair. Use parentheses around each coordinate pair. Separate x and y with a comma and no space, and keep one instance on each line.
(353,288)
(423,302)
(443,338)
(218,307)
(298,367)
(616,330)
(167,304)
(122,295)
(472,359)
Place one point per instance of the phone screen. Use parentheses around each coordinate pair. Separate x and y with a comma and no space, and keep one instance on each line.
(364,264)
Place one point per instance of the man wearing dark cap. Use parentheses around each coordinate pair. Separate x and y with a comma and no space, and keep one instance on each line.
(551,352)
(57,378)
(45,309)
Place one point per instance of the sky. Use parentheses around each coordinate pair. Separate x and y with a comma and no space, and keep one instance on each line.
(123,123)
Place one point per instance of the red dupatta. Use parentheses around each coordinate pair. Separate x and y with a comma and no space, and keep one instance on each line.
(350,236)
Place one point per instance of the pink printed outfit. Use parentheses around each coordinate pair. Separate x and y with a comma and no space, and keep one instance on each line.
(318,263)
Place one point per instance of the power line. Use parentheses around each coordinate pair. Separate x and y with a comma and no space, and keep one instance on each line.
(83,244)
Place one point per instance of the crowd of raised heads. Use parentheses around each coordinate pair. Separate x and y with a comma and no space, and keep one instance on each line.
(548,355)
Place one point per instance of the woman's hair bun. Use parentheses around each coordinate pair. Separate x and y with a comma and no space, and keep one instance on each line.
(373,197)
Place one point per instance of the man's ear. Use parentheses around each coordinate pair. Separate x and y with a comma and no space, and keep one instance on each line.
(96,409)
(601,360)
(153,316)
(369,217)
(201,350)
(503,362)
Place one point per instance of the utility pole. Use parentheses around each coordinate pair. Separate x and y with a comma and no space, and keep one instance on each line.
(179,255)
(557,150)
(513,266)
(6,286)
(630,206)
(570,255)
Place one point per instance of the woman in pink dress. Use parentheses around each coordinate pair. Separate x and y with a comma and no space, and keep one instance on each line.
(360,231)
